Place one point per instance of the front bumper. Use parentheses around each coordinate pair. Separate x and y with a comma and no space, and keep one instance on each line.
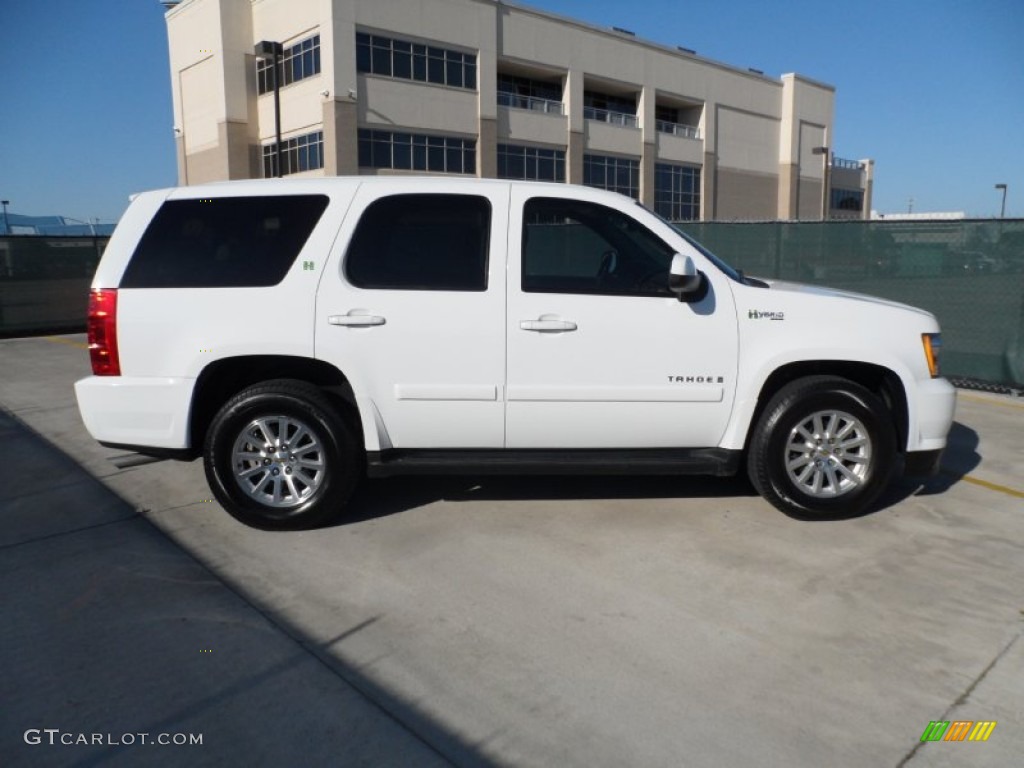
(936,402)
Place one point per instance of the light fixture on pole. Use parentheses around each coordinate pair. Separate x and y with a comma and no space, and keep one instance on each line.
(268,49)
(1002,208)
(823,151)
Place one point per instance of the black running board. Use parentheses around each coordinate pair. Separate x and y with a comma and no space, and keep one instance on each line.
(646,461)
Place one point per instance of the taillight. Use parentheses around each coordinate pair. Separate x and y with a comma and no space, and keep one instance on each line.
(102,326)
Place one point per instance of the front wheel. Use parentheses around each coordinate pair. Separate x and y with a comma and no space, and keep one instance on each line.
(824,447)
(279,455)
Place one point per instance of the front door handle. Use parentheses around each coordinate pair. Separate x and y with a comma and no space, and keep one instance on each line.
(545,324)
(357,321)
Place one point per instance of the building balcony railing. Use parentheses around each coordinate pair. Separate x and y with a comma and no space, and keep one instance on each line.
(852,165)
(532,103)
(607,116)
(678,129)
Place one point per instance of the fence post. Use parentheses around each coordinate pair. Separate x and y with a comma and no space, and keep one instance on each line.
(778,250)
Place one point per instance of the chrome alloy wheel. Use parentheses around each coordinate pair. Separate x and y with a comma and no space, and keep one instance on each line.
(278,461)
(828,454)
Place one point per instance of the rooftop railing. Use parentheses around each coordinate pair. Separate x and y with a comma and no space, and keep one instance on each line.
(532,103)
(852,165)
(607,116)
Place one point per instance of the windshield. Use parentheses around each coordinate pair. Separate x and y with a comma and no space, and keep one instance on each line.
(722,266)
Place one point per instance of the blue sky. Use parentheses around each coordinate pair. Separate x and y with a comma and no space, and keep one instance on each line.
(933,91)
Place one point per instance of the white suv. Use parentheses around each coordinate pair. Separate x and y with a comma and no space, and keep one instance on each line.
(301,334)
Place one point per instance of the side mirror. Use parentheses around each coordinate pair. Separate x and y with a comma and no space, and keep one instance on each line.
(685,280)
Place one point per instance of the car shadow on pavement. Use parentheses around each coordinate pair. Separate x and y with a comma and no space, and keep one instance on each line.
(959,459)
(381,498)
(115,633)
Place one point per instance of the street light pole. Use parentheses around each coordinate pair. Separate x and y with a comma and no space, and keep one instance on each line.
(269,49)
(1002,208)
(823,151)
(7,226)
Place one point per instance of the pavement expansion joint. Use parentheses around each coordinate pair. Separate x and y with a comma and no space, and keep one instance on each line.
(963,697)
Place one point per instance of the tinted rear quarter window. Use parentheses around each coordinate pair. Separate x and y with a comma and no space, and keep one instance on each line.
(421,242)
(223,242)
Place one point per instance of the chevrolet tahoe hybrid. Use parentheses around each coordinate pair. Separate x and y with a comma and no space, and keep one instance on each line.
(301,334)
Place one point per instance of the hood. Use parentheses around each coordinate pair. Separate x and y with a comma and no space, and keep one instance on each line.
(818,290)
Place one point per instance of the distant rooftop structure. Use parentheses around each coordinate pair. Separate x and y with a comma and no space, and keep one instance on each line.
(919,216)
(52,225)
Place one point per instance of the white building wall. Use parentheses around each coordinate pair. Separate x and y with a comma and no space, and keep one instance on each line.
(288,22)
(403,105)
(756,133)
(200,111)
(604,137)
(677,149)
(747,141)
(520,125)
(196,39)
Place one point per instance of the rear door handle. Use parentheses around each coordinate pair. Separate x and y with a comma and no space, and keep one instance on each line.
(357,321)
(547,325)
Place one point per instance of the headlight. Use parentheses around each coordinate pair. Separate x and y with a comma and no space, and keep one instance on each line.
(932,349)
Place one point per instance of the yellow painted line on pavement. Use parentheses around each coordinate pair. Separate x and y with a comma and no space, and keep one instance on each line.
(986,484)
(986,401)
(994,486)
(69,342)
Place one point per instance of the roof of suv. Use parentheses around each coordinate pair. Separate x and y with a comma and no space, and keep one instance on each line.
(333,183)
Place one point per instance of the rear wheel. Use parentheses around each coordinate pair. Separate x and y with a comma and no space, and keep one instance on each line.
(279,455)
(824,447)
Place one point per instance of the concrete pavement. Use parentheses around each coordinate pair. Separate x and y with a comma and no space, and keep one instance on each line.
(548,621)
(117,640)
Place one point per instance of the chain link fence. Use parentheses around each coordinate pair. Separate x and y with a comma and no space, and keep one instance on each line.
(969,273)
(44,282)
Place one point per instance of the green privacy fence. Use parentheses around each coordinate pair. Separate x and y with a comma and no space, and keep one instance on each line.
(969,273)
(44,282)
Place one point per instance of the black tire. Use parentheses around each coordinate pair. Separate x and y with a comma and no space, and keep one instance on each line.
(785,464)
(313,478)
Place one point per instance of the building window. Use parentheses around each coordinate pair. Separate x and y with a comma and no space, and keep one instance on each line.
(404,60)
(532,163)
(299,61)
(301,153)
(677,192)
(416,152)
(618,174)
(848,200)
(666,114)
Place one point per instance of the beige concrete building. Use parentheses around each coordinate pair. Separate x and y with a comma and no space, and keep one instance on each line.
(492,89)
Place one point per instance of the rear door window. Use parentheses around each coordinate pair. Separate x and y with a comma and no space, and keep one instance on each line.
(421,242)
(223,242)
